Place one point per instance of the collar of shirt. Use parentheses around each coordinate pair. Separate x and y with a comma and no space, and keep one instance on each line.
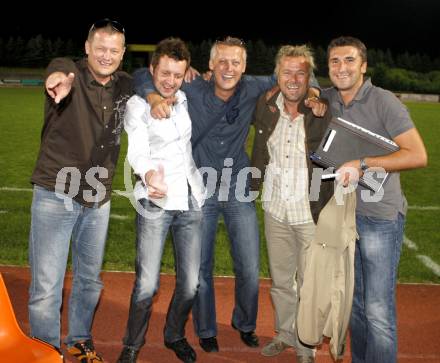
(235,97)
(280,104)
(90,80)
(365,88)
(180,102)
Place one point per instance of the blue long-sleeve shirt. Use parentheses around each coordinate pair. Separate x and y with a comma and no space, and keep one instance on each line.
(221,137)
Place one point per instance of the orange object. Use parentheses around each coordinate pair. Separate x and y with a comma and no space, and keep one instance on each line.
(17,347)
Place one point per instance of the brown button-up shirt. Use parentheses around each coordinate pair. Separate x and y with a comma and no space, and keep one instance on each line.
(80,139)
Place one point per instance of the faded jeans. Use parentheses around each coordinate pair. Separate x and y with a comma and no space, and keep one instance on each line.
(151,233)
(373,319)
(53,229)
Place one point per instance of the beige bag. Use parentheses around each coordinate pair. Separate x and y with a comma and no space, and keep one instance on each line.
(327,292)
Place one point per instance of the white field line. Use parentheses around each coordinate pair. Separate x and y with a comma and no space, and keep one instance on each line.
(428,207)
(410,244)
(119,217)
(427,261)
(12,189)
(121,193)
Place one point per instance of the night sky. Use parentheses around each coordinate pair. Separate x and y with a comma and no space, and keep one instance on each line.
(405,25)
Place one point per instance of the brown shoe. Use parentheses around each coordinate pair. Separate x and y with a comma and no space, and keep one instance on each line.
(274,347)
(85,352)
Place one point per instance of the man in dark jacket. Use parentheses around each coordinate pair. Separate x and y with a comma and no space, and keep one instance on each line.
(285,133)
(80,141)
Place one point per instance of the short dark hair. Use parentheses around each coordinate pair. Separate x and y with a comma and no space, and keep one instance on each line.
(107,25)
(174,48)
(347,41)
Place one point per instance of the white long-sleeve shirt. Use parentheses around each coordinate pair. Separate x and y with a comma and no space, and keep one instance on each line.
(168,142)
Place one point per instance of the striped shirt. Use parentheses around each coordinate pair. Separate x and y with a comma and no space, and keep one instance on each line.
(285,190)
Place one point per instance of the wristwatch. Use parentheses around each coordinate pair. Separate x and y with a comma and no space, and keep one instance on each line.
(363,165)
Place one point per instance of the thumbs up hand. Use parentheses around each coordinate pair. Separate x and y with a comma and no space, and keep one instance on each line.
(157,188)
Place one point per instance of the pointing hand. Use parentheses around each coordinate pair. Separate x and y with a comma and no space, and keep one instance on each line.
(58,85)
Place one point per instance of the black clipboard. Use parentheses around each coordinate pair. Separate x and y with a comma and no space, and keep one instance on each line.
(344,141)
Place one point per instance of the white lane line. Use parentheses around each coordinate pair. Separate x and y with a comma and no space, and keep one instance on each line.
(12,189)
(113,216)
(119,217)
(117,193)
(428,207)
(427,261)
(121,193)
(434,267)
(410,244)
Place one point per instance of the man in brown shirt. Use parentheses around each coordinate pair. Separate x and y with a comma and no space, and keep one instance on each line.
(72,179)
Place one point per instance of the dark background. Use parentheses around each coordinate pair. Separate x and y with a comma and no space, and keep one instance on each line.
(406,25)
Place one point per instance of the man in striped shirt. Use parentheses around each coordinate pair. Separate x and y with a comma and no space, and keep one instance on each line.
(285,133)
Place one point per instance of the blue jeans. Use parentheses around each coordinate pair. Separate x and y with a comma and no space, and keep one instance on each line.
(151,233)
(52,228)
(242,227)
(373,318)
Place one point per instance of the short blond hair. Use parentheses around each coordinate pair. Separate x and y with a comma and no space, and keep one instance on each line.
(229,42)
(109,29)
(295,51)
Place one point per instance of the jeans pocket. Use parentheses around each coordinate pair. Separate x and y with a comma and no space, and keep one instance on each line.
(379,221)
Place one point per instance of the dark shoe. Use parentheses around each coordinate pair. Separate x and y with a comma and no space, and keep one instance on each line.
(248,338)
(209,344)
(85,352)
(128,355)
(183,350)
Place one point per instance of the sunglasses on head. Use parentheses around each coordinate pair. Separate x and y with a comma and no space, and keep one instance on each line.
(231,41)
(102,23)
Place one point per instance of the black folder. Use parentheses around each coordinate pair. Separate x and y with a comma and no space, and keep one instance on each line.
(345,141)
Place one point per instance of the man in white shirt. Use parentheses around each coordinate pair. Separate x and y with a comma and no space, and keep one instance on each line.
(170,193)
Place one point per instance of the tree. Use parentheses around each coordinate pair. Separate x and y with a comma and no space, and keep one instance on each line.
(379,75)
(388,58)
(205,50)
(34,53)
(1,52)
(321,62)
(404,61)
(13,51)
(371,57)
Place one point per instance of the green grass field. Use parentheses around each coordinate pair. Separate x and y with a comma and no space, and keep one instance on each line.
(21,114)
